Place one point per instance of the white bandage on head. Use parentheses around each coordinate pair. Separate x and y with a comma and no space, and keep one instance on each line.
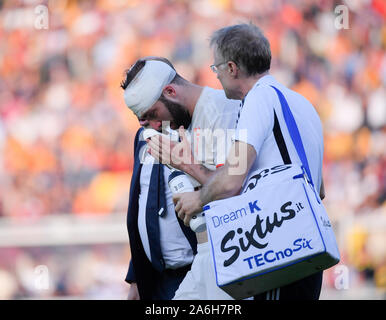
(146,88)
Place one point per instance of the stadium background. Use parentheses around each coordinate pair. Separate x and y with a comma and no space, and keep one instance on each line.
(66,137)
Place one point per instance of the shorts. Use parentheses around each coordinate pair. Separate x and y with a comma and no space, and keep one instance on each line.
(305,289)
(200,282)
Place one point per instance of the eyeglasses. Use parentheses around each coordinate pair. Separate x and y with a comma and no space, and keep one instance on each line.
(214,66)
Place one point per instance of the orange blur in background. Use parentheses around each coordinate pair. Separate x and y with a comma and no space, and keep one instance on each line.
(66,136)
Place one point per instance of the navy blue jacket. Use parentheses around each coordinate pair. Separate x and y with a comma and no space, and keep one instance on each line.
(141,270)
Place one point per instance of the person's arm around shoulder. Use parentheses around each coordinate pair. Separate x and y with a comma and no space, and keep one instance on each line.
(226,182)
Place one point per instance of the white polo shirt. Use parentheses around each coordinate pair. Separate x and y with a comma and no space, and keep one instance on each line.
(257,117)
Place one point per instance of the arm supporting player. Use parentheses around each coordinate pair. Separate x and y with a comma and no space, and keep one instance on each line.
(226,182)
(179,156)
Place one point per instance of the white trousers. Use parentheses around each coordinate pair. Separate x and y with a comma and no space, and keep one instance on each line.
(200,282)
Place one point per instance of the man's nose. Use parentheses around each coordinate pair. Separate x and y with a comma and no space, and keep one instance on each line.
(156,125)
(143,122)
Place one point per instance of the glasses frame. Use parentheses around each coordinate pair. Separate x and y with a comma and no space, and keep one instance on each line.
(214,67)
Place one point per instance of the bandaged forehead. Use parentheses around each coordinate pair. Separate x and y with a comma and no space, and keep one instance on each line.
(146,88)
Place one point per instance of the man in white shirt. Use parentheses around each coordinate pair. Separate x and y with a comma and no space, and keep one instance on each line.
(242,60)
(157,92)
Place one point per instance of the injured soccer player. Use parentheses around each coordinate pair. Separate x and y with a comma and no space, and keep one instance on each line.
(205,120)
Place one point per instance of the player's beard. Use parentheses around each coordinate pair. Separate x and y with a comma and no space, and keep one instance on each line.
(179,113)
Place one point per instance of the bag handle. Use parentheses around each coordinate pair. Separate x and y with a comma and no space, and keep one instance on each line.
(294,132)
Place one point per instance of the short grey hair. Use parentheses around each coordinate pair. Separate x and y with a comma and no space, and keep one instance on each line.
(245,45)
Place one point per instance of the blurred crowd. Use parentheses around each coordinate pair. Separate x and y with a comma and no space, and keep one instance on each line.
(87,272)
(66,137)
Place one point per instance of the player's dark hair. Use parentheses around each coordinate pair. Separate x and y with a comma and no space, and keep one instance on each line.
(139,64)
(132,72)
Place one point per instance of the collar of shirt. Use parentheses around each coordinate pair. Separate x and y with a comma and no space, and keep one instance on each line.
(267,79)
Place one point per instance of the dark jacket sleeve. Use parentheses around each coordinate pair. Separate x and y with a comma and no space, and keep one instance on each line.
(130,277)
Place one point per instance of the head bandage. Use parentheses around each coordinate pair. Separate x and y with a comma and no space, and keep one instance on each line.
(146,88)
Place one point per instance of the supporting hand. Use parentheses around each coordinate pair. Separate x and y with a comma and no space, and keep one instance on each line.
(187,204)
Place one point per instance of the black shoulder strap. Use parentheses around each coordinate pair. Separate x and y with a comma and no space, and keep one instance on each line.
(280,141)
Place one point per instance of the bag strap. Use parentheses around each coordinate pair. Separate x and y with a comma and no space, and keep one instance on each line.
(294,132)
(280,140)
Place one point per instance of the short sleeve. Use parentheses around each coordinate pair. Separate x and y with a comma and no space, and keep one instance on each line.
(256,118)
(130,277)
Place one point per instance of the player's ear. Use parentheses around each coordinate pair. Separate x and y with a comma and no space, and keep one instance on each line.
(169,91)
(232,68)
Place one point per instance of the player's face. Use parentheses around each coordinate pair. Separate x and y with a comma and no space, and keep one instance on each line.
(167,110)
(154,124)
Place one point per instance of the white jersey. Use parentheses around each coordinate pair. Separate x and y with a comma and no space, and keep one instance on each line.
(257,117)
(213,125)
